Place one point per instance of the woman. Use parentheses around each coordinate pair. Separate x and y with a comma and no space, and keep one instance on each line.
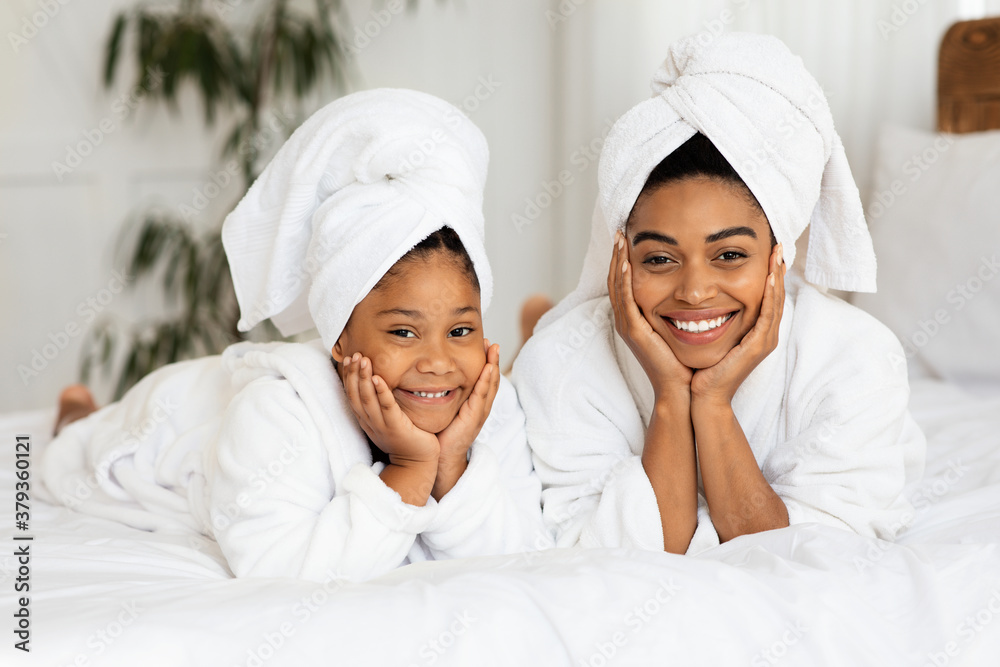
(684,395)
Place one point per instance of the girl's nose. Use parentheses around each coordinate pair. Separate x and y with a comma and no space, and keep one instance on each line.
(695,285)
(435,358)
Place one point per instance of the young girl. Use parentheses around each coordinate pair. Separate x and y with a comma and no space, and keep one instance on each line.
(391,439)
(685,395)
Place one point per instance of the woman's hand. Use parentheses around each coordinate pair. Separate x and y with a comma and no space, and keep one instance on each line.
(459,435)
(667,375)
(383,420)
(718,383)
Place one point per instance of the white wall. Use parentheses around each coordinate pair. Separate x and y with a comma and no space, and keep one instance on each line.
(559,70)
(57,234)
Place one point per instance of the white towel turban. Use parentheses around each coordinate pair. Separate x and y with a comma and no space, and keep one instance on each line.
(355,187)
(769,118)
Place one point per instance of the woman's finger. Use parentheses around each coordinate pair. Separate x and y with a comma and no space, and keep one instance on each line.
(614,280)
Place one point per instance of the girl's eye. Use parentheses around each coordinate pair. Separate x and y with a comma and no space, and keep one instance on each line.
(732,256)
(403,333)
(658,260)
(458,332)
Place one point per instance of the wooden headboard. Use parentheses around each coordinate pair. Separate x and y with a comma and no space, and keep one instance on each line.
(969,77)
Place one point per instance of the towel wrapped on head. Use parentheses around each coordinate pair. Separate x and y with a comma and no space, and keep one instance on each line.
(356,186)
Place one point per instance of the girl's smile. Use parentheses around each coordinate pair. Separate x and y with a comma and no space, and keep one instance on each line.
(699,251)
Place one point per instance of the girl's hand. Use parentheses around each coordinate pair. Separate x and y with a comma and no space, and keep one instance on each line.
(665,372)
(719,382)
(459,435)
(380,416)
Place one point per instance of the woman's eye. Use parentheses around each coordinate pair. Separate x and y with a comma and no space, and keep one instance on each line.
(458,332)
(731,256)
(658,260)
(403,333)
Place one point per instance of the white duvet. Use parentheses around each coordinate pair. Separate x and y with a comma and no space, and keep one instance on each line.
(105,594)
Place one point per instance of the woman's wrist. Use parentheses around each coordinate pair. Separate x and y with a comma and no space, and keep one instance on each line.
(710,402)
(672,400)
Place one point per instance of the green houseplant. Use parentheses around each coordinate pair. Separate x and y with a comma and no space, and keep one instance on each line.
(246,59)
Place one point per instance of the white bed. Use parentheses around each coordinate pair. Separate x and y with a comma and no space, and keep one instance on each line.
(105,594)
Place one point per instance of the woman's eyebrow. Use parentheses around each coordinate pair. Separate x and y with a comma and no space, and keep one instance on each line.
(653,236)
(731,231)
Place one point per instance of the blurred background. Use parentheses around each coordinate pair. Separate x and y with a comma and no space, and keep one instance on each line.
(87,168)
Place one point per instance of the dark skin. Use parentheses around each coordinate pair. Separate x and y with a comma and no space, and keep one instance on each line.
(697,293)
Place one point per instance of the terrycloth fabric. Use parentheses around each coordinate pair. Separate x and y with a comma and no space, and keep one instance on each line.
(356,186)
(769,117)
(258,448)
(825,415)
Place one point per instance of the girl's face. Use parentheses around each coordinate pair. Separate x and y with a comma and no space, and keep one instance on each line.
(699,253)
(423,331)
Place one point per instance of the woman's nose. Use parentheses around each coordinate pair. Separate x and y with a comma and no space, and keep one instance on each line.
(695,285)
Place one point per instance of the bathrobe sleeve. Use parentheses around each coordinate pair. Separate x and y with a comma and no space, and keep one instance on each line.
(495,507)
(850,444)
(586,435)
(276,508)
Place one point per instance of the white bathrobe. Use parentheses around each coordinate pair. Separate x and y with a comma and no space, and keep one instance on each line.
(825,415)
(258,448)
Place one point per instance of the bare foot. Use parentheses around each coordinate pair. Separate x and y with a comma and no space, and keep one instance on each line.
(534,307)
(75,402)
(531,311)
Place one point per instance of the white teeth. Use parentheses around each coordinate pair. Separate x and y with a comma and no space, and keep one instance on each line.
(699,326)
(437,394)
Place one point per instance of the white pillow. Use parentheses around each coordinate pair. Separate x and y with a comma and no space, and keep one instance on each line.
(935,220)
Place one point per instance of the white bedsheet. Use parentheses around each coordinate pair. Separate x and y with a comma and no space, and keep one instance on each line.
(105,594)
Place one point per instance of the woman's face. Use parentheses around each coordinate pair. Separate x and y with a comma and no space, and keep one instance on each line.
(423,332)
(700,253)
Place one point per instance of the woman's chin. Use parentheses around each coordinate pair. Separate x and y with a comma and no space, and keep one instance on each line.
(699,359)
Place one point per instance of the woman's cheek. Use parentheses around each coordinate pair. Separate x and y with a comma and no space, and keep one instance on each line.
(645,291)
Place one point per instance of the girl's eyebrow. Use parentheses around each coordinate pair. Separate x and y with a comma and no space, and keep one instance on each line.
(418,315)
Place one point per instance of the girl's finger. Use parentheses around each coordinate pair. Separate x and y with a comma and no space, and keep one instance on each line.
(384,395)
(366,389)
(351,386)
(494,387)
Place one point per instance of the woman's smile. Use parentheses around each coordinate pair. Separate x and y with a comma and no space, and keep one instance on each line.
(699,327)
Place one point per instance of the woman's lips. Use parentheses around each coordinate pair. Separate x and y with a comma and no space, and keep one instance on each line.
(714,322)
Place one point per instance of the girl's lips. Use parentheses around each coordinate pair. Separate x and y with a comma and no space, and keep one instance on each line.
(700,337)
(431,397)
